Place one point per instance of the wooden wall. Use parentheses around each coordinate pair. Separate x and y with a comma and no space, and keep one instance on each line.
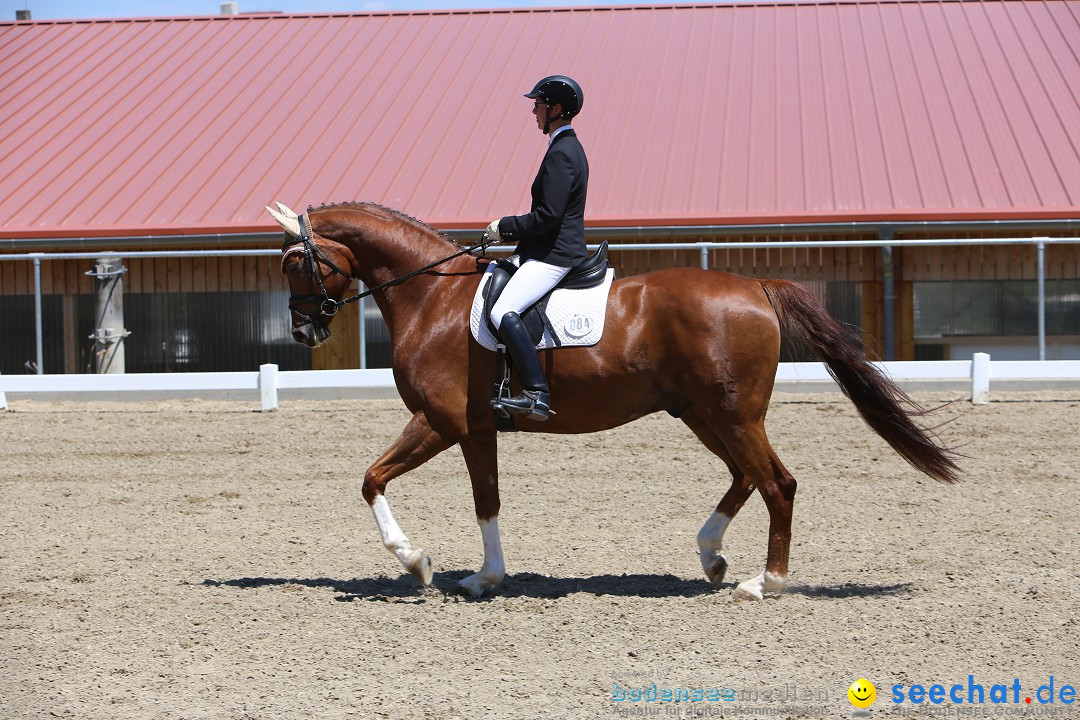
(986,262)
(791,263)
(148,275)
(343,348)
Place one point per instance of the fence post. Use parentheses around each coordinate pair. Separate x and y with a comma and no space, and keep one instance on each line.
(363,328)
(980,379)
(268,386)
(888,297)
(109,332)
(39,363)
(1040,265)
(3,400)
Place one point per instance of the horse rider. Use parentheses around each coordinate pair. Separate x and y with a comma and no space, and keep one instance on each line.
(550,238)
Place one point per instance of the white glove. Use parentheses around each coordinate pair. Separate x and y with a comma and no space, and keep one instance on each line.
(492,232)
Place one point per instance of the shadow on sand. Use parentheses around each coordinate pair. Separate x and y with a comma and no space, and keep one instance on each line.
(444,585)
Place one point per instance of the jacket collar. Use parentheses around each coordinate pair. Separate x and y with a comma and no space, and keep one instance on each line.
(565,130)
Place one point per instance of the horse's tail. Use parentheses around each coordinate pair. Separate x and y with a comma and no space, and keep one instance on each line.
(882,404)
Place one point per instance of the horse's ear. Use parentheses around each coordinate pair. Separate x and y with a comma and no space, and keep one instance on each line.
(287,219)
(286,211)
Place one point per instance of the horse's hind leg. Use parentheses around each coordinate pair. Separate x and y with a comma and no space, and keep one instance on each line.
(417,444)
(481,457)
(751,451)
(710,538)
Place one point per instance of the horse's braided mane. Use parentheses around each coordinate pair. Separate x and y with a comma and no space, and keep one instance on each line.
(369,206)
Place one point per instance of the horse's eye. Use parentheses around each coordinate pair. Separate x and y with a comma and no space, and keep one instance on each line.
(294,268)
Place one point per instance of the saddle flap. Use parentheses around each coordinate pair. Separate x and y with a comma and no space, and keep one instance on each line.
(500,276)
(532,318)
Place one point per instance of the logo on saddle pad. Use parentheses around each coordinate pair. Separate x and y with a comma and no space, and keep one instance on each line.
(574,318)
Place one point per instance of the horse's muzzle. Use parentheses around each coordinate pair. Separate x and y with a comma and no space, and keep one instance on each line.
(311,334)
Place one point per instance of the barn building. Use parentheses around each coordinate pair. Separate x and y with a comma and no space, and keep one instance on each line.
(824,121)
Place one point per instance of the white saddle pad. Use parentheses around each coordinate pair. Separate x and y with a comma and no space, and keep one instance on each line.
(576,315)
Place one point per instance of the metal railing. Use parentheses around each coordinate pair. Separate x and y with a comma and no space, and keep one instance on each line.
(1039,244)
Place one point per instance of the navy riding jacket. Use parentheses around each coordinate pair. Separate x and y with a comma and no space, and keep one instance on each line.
(554,230)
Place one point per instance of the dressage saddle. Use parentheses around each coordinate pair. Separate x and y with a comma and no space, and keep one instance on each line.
(590,273)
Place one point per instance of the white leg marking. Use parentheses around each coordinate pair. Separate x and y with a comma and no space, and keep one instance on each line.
(755,588)
(493,570)
(710,540)
(416,561)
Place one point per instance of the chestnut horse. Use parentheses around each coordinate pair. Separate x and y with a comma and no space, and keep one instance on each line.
(701,345)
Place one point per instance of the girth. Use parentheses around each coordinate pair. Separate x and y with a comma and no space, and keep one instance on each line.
(589,273)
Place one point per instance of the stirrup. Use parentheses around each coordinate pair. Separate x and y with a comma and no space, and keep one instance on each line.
(534,403)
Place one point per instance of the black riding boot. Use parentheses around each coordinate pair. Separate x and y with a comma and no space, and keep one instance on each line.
(534,400)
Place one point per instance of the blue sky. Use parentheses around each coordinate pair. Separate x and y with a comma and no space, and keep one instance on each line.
(56,9)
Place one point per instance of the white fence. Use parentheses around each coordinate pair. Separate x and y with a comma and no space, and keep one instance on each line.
(980,371)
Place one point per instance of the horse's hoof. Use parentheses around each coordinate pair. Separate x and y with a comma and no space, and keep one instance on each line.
(716,572)
(420,567)
(747,591)
(755,588)
(476,585)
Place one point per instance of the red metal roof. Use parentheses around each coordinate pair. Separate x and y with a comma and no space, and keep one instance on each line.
(694,114)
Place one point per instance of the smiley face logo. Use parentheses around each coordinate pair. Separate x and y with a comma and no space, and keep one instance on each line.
(862,693)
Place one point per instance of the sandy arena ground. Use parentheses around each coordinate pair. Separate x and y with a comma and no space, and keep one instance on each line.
(199,559)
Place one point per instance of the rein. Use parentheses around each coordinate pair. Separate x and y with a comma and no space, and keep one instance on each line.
(328,306)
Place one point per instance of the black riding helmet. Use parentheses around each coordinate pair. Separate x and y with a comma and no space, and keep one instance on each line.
(559,89)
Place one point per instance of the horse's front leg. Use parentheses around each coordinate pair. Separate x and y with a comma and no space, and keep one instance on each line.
(418,444)
(481,456)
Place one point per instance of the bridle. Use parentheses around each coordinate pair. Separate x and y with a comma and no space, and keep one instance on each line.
(328,306)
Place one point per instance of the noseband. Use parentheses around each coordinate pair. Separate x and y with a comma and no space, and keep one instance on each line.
(328,306)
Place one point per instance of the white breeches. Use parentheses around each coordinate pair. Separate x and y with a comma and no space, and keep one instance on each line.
(531,282)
